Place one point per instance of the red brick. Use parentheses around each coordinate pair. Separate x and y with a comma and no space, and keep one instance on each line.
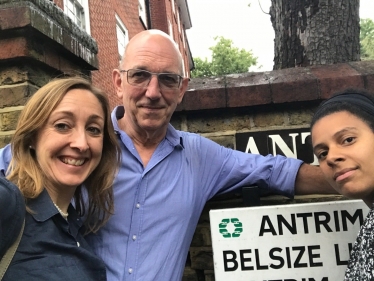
(52,59)
(13,48)
(160,15)
(336,77)
(279,86)
(59,3)
(103,30)
(247,89)
(204,94)
(293,84)
(366,69)
(14,18)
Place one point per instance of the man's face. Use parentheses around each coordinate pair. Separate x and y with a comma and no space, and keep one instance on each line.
(150,107)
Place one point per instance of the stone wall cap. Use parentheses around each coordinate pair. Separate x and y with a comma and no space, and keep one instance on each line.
(299,84)
(52,11)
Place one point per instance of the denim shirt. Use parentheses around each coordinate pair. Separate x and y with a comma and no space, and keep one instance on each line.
(12,214)
(52,248)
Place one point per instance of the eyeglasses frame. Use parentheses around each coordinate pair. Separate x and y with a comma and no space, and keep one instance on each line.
(152,73)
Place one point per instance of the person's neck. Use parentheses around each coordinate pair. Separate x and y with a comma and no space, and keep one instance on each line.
(146,139)
(61,199)
(145,142)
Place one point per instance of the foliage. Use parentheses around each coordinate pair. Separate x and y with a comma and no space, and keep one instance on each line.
(202,68)
(367,39)
(226,59)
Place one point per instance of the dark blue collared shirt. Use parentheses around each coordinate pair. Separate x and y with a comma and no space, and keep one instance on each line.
(52,248)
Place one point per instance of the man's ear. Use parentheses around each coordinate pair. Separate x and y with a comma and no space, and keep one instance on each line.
(117,82)
(183,89)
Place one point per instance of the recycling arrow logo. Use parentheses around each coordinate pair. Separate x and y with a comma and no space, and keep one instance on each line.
(224,231)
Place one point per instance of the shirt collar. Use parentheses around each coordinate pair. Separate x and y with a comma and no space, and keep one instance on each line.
(172,135)
(42,208)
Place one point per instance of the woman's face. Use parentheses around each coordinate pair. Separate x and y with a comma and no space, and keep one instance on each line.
(344,146)
(69,145)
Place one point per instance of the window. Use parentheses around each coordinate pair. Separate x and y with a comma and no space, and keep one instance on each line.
(77,10)
(179,22)
(184,68)
(170,29)
(183,40)
(142,13)
(122,36)
(173,6)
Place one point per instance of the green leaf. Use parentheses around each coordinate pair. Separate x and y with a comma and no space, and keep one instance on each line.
(226,59)
(367,39)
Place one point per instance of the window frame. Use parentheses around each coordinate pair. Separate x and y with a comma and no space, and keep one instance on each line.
(83,6)
(143,13)
(122,27)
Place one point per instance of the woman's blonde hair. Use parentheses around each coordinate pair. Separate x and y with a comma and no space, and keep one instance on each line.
(25,171)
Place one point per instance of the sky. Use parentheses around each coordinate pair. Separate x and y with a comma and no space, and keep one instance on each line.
(248,27)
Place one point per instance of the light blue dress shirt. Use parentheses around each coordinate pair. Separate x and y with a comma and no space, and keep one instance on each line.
(157,207)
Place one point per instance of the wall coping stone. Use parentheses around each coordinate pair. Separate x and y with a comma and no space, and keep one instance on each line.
(47,18)
(276,87)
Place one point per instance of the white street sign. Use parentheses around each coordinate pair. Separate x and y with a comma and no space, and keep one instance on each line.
(296,242)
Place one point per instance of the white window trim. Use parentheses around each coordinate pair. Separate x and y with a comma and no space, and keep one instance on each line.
(170,29)
(87,16)
(178,21)
(183,39)
(126,31)
(173,6)
(143,13)
(86,11)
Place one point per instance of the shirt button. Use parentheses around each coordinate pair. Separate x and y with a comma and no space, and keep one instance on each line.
(134,237)
(138,206)
(78,244)
(130,270)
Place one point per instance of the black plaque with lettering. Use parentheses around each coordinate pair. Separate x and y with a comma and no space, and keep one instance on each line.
(295,143)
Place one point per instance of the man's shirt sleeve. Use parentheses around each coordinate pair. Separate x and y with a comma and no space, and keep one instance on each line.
(5,157)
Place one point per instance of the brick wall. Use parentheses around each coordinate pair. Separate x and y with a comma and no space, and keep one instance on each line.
(218,108)
(103,29)
(160,14)
(128,11)
(38,42)
(179,34)
(59,3)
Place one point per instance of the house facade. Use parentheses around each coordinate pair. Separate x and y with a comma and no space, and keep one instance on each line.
(112,23)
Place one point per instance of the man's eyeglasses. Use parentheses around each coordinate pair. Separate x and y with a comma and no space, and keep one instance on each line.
(141,78)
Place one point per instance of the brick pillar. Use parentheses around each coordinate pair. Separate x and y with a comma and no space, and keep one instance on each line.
(38,42)
(158,14)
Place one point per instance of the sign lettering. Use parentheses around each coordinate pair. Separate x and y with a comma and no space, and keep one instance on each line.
(284,243)
(294,143)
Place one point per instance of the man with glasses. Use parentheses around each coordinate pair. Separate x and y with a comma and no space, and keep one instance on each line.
(167,175)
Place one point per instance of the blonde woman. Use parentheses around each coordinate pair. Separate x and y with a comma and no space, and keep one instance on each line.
(64,139)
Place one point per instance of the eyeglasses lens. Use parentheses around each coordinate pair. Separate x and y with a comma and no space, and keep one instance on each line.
(141,78)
